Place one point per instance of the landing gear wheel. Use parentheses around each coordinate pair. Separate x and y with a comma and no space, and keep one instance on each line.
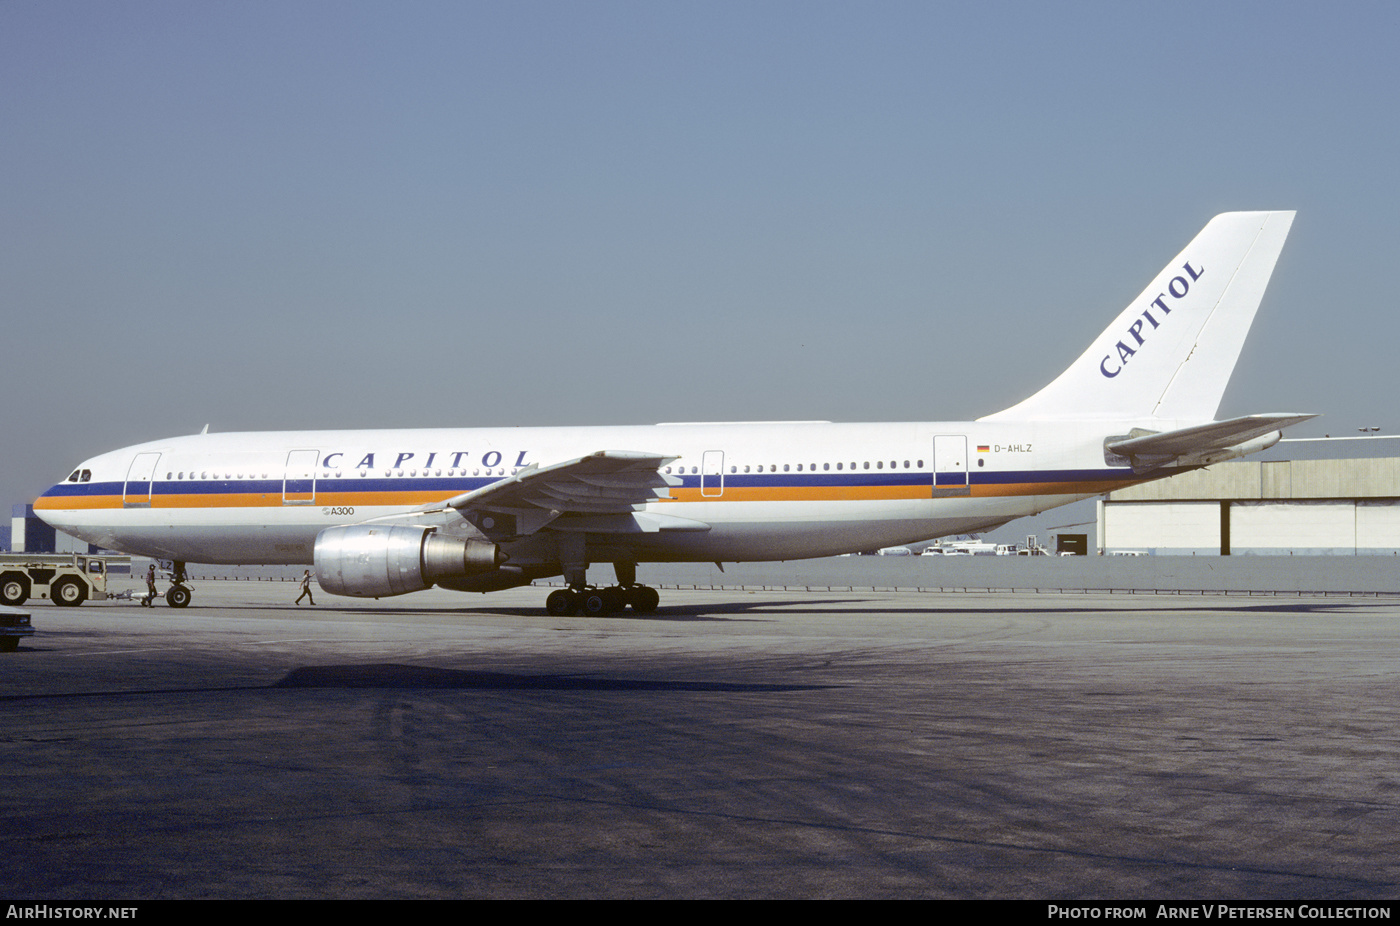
(178,596)
(643,599)
(68,592)
(561,602)
(601,601)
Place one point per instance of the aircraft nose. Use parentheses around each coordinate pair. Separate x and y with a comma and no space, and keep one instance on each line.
(46,500)
(57,496)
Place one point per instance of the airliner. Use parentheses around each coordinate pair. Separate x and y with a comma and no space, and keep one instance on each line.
(388,512)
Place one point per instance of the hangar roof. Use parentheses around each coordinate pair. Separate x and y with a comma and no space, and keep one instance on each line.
(1377,477)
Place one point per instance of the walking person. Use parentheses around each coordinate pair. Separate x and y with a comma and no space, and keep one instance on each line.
(151,593)
(306,588)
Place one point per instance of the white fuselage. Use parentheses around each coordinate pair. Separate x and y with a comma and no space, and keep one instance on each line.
(767,491)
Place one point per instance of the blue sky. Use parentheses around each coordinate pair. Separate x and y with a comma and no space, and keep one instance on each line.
(284,215)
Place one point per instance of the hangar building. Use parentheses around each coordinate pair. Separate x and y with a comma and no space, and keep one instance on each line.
(1312,507)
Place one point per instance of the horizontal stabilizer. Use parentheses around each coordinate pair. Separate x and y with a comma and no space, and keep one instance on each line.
(1204,443)
(1217,435)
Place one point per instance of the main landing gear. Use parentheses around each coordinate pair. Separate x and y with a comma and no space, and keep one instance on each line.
(582,598)
(598,602)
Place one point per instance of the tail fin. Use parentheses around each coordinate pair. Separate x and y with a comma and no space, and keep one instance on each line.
(1171,352)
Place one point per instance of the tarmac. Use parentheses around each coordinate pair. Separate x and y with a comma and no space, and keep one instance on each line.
(735,744)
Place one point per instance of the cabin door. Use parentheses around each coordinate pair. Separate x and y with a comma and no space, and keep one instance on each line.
(712,474)
(139,476)
(299,479)
(950,466)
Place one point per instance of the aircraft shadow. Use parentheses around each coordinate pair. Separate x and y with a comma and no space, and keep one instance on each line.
(394,675)
(425,678)
(757,609)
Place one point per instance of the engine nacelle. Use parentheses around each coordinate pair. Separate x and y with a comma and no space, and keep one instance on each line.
(377,561)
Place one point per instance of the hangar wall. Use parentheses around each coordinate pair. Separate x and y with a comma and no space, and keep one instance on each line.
(28,534)
(1290,507)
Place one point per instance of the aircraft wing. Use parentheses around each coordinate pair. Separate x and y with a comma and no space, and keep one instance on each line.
(1202,444)
(604,492)
(609,481)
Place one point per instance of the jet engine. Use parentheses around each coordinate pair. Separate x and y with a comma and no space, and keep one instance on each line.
(377,561)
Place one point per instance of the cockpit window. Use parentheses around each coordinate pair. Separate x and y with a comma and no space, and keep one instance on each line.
(73,476)
(86,476)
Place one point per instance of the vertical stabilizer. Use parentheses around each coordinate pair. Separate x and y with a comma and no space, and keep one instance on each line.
(1171,352)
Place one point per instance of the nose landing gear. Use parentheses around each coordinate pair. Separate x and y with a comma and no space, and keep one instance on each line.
(178,595)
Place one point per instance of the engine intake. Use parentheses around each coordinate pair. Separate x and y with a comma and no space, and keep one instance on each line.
(373,561)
